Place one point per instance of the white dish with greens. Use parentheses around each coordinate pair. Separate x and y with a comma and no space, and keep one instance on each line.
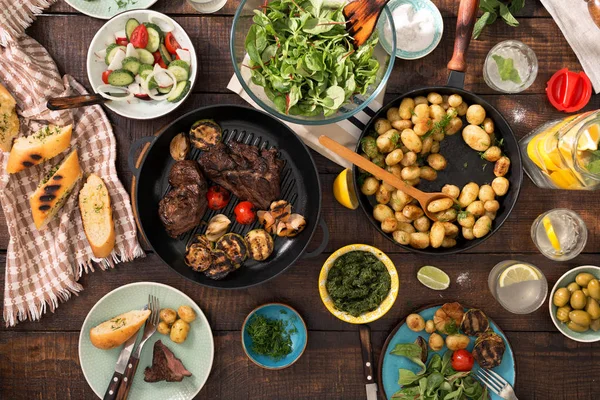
(143,62)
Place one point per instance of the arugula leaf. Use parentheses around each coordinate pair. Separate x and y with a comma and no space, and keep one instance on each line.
(506,69)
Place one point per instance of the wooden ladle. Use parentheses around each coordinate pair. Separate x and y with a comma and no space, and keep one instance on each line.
(423,198)
(594,8)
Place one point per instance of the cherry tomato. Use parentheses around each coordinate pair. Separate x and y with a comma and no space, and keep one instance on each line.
(217,197)
(139,37)
(162,64)
(462,360)
(105,75)
(157,56)
(171,43)
(245,213)
(122,41)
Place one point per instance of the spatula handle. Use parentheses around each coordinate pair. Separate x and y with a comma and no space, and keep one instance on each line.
(467,15)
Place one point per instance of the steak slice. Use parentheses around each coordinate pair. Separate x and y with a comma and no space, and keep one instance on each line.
(249,173)
(165,366)
(186,173)
(182,209)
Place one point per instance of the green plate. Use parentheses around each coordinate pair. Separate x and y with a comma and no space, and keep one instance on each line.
(196,352)
(106,9)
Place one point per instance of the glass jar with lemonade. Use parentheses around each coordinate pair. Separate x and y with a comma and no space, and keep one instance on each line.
(565,154)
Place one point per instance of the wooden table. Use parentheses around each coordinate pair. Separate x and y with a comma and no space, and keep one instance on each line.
(39,360)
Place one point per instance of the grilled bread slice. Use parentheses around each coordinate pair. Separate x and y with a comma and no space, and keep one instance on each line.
(9,122)
(96,214)
(34,149)
(117,330)
(53,190)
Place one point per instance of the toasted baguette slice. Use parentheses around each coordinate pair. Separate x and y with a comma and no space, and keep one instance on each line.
(53,190)
(96,214)
(117,330)
(46,143)
(9,122)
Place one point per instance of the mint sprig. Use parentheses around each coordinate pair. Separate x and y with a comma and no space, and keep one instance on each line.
(494,8)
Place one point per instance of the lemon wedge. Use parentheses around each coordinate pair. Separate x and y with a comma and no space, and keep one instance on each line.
(517,273)
(589,139)
(434,278)
(551,234)
(343,190)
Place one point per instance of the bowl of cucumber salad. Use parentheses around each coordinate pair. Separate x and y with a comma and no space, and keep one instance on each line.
(143,62)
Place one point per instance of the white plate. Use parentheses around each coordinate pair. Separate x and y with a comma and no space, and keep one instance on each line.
(106,9)
(140,109)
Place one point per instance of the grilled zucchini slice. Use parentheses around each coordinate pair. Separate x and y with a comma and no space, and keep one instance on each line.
(260,244)
(199,257)
(234,247)
(474,322)
(205,133)
(221,266)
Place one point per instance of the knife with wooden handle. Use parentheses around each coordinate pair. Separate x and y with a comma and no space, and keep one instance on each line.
(367,357)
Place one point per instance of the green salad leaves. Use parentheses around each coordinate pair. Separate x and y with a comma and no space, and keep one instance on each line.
(302,56)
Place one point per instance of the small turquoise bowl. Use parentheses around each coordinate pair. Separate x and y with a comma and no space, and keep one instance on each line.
(584,337)
(299,338)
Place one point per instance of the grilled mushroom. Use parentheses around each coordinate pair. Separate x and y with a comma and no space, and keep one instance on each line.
(205,133)
(474,322)
(489,349)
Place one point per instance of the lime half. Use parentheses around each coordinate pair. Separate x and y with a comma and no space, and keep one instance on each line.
(518,273)
(434,278)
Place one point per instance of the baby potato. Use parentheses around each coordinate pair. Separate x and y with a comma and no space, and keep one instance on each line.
(401,237)
(406,108)
(451,111)
(435,147)
(476,208)
(468,233)
(462,108)
(429,326)
(392,114)
(482,227)
(370,186)
(445,105)
(448,242)
(436,112)
(412,211)
(450,230)
(405,227)
(167,315)
(476,138)
(381,212)
(447,216)
(422,127)
(389,225)
(379,160)
(488,126)
(490,214)
(413,182)
(502,166)
(163,328)
(186,313)
(468,194)
(420,100)
(395,170)
(455,100)
(435,98)
(492,154)
(179,331)
(439,205)
(396,202)
(401,218)
(421,111)
(415,322)
(500,185)
(436,341)
(394,157)
(388,141)
(437,234)
(438,135)
(437,161)
(383,195)
(402,124)
(411,172)
(382,125)
(466,219)
(411,140)
(457,342)
(475,114)
(491,205)
(486,193)
(453,126)
(451,190)
(410,158)
(422,224)
(428,173)
(427,144)
(419,240)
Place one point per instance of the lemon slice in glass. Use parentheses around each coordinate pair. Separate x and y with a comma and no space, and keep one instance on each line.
(517,273)
(343,190)
(551,234)
(434,278)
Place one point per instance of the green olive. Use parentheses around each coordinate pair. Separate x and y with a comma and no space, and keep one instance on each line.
(580,317)
(583,278)
(573,286)
(594,289)
(578,300)
(577,328)
(592,308)
(562,314)
(585,291)
(561,297)
(595,325)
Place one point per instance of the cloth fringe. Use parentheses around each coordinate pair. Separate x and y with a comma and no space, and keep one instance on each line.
(17,15)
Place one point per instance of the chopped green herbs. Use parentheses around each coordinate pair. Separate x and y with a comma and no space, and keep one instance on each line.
(117,323)
(270,337)
(506,69)
(441,125)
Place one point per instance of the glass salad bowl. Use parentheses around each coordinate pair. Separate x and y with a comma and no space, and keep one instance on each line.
(242,23)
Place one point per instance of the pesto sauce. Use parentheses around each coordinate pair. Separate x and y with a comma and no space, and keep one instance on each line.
(358,282)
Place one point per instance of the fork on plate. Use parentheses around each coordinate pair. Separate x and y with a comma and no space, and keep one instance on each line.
(496,384)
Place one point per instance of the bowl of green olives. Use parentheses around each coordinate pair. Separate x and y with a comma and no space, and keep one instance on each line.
(575,304)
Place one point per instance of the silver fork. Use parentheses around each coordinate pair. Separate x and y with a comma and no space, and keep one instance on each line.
(149,329)
(496,384)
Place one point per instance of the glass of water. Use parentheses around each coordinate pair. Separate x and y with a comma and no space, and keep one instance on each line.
(519,287)
(207,6)
(559,234)
(505,58)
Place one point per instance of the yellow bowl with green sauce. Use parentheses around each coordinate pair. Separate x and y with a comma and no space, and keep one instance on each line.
(363,266)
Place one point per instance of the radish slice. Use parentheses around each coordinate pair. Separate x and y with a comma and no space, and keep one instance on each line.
(134,88)
(184,55)
(117,61)
(120,35)
(164,24)
(138,79)
(142,96)
(133,100)
(103,91)
(108,39)
(131,51)
(152,93)
(163,79)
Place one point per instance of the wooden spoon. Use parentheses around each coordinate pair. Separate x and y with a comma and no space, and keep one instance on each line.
(423,198)
(594,9)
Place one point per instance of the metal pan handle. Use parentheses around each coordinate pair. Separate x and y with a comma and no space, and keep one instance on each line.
(324,241)
(467,15)
(132,158)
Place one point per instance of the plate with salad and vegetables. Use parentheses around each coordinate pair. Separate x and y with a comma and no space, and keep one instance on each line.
(435,352)
(143,62)
(105,9)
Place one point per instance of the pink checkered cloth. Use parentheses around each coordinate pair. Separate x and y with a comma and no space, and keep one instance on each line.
(43,267)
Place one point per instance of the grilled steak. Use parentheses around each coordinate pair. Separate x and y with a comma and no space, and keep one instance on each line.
(249,173)
(165,366)
(186,173)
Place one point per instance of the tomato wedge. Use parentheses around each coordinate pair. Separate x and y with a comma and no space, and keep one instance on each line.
(139,37)
(171,43)
(122,41)
(105,75)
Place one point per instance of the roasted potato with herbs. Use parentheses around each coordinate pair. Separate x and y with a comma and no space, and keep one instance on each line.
(415,322)
(179,331)
(167,315)
(186,313)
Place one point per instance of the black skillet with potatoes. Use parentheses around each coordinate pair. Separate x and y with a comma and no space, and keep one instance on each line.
(422,139)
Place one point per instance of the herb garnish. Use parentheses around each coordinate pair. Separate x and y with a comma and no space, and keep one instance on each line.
(491,9)
(117,323)
(270,337)
(506,69)
(441,125)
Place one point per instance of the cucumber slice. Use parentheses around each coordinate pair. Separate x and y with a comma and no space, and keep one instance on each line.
(181,90)
(180,69)
(130,25)
(164,90)
(145,56)
(145,70)
(132,64)
(121,77)
(164,54)
(154,39)
(153,85)
(156,28)
(113,50)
